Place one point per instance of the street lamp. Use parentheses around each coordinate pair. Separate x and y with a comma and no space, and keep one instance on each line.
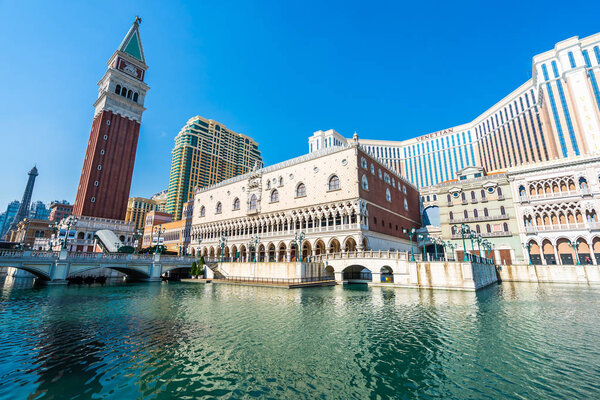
(136,237)
(422,237)
(479,239)
(452,247)
(298,238)
(464,230)
(528,247)
(410,235)
(158,229)
(222,244)
(434,241)
(472,236)
(575,246)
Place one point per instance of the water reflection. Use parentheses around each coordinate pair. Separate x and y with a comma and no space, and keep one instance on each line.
(177,340)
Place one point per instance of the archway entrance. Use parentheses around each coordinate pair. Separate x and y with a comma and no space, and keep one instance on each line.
(319,247)
(548,251)
(271,252)
(357,274)
(350,245)
(565,252)
(387,275)
(282,250)
(306,251)
(334,246)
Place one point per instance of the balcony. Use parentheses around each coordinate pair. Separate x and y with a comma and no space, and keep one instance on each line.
(554,195)
(501,197)
(474,201)
(479,218)
(559,227)
(496,234)
(464,201)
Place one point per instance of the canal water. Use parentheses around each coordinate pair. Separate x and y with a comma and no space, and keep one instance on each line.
(160,341)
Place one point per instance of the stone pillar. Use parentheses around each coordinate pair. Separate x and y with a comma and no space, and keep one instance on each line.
(339,276)
(558,260)
(376,277)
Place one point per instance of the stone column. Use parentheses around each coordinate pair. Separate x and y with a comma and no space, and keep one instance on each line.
(339,276)
(376,277)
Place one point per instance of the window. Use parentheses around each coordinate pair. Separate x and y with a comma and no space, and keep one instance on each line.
(280,181)
(374,220)
(268,184)
(499,190)
(219,208)
(99,167)
(393,182)
(252,204)
(96,183)
(475,213)
(363,163)
(202,211)
(482,194)
(449,198)
(379,173)
(477,229)
(405,205)
(102,152)
(105,137)
(403,189)
(108,122)
(451,215)
(364,182)
(462,196)
(236,204)
(93,199)
(135,97)
(130,95)
(300,190)
(334,183)
(118,89)
(502,210)
(485,212)
(372,169)
(388,195)
(472,195)
(386,178)
(123,91)
(274,196)
(505,226)
(488,228)
(466,214)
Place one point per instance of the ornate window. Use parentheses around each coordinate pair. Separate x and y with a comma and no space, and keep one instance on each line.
(482,194)
(472,195)
(364,182)
(505,226)
(388,195)
(403,189)
(268,184)
(280,181)
(300,190)
(405,205)
(372,169)
(475,213)
(236,204)
(488,228)
(135,97)
(219,208)
(451,215)
(334,183)
(202,211)
(502,210)
(393,182)
(363,163)
(274,196)
(379,173)
(252,205)
(118,89)
(485,212)
(477,229)
(449,198)
(386,178)
(124,91)
(499,190)
(466,214)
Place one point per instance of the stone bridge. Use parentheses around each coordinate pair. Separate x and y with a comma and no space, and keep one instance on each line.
(56,267)
(391,267)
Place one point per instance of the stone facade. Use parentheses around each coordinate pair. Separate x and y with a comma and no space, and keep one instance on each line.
(340,198)
(485,204)
(557,205)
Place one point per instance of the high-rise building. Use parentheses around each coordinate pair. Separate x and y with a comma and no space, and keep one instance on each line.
(554,115)
(161,200)
(60,210)
(206,152)
(137,208)
(39,210)
(9,216)
(23,211)
(108,165)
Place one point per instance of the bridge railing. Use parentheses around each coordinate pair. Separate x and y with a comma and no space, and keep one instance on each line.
(386,254)
(276,281)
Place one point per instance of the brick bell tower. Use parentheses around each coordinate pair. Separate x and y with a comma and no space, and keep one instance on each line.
(108,165)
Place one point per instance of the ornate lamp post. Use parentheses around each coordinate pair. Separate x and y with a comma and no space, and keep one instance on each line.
(464,230)
(528,247)
(222,244)
(478,238)
(452,247)
(410,235)
(575,246)
(472,236)
(422,237)
(298,238)
(70,222)
(199,249)
(159,230)
(435,243)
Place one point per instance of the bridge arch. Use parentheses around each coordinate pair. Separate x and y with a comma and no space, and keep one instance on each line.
(357,273)
(36,271)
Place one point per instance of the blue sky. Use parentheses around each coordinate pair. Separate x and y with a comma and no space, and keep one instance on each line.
(276,71)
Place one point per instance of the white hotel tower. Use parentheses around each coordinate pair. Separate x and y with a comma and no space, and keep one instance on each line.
(554,115)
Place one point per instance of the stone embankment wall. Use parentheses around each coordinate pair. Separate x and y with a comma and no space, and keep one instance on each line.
(587,274)
(272,270)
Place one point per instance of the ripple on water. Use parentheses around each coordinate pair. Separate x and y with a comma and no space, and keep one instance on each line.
(189,341)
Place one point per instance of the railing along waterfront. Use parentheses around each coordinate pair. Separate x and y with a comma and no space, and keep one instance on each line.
(276,281)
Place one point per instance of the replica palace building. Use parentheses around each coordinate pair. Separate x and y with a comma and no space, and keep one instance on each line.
(334,200)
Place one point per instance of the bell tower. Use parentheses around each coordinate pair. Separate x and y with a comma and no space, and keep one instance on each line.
(110,156)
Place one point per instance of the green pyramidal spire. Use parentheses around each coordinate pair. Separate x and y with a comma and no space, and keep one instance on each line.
(132,44)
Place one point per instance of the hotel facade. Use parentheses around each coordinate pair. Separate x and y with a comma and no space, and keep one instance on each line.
(206,152)
(554,115)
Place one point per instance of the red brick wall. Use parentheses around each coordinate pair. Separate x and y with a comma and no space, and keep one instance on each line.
(114,180)
(384,212)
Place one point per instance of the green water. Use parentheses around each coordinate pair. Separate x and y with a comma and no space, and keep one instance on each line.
(521,341)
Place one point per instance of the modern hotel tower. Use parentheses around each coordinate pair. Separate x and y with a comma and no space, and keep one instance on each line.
(555,114)
(108,165)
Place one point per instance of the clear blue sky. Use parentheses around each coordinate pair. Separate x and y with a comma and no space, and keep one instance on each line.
(276,71)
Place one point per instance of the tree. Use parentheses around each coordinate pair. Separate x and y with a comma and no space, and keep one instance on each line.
(201,266)
(194,269)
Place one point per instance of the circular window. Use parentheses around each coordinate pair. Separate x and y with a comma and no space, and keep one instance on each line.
(93,199)
(96,183)
(105,137)
(99,167)
(243,189)
(344,161)
(490,190)
(108,122)
(102,152)
(316,169)
(291,176)
(455,194)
